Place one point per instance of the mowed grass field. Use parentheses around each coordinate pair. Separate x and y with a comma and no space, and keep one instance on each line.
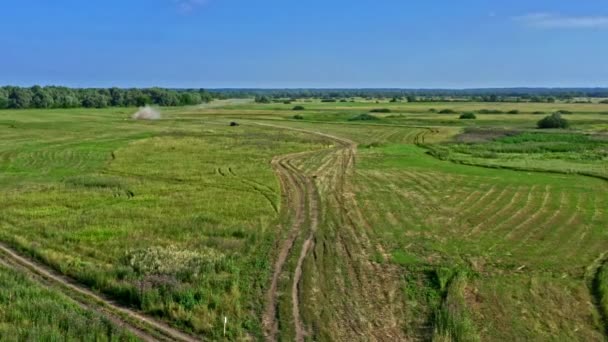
(494,239)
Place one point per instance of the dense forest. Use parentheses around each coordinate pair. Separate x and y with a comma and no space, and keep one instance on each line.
(63,97)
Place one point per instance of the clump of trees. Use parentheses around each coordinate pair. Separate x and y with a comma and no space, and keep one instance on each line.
(363,117)
(514,111)
(490,111)
(298,117)
(447,111)
(380,110)
(63,97)
(468,116)
(554,120)
(604,101)
(262,99)
(298,108)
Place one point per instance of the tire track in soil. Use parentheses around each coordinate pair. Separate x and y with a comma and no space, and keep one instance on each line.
(89,300)
(369,308)
(294,205)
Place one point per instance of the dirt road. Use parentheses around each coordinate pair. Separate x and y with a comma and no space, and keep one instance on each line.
(336,291)
(142,326)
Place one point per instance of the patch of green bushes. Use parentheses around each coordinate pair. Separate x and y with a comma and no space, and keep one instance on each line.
(468,116)
(262,99)
(298,108)
(447,111)
(363,117)
(490,111)
(298,117)
(380,110)
(554,120)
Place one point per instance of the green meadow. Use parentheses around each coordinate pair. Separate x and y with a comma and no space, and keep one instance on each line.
(460,230)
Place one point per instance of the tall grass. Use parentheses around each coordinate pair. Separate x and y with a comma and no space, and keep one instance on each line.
(601,291)
(29,312)
(451,320)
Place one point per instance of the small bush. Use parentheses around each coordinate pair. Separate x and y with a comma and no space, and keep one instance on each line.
(515,111)
(343,100)
(363,117)
(328,100)
(374,144)
(298,108)
(538,112)
(490,111)
(554,120)
(447,111)
(468,116)
(604,102)
(262,99)
(298,117)
(380,110)
(287,102)
(564,112)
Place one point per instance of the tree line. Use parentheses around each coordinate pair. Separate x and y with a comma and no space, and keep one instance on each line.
(63,97)
(547,95)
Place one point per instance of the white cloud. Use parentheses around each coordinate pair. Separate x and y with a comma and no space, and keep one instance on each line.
(551,20)
(187,6)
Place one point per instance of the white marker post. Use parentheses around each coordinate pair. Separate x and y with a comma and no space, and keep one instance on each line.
(225,322)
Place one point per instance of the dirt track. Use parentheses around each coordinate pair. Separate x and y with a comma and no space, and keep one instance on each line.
(141,326)
(361,297)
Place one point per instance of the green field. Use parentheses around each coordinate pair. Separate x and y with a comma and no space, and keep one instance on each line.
(30,312)
(412,225)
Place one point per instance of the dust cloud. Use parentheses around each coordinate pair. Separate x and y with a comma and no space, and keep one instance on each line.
(146,113)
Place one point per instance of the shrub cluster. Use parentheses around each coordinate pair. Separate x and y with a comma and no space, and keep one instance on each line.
(490,111)
(468,116)
(298,108)
(262,99)
(554,120)
(380,110)
(363,117)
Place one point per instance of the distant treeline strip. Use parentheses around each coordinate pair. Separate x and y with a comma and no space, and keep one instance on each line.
(487,94)
(63,97)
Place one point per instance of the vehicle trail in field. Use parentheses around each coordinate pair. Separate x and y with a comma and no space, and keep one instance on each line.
(103,306)
(294,205)
(366,306)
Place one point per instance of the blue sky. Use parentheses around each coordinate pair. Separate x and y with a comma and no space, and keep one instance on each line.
(313,43)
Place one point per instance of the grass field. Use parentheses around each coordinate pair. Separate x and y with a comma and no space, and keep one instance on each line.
(413,225)
(30,312)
